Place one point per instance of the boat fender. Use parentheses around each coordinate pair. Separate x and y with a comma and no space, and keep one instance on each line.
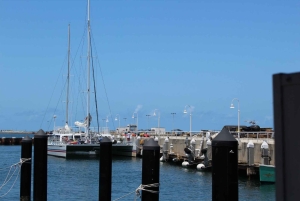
(161,159)
(187,150)
(200,166)
(185,163)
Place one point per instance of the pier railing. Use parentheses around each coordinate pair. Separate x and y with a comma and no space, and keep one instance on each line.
(258,135)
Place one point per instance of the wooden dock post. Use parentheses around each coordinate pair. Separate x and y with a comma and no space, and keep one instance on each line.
(40,166)
(150,170)
(105,170)
(224,167)
(25,180)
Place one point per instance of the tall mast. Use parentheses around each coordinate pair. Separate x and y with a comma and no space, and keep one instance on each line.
(68,78)
(88,72)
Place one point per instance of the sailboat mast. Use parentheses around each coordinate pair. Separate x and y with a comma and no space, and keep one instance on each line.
(88,72)
(68,77)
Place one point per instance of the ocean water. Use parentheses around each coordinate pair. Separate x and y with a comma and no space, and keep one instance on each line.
(78,179)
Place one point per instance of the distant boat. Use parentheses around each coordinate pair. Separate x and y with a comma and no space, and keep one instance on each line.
(64,141)
(267,173)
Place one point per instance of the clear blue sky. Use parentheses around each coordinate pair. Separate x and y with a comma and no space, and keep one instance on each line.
(153,54)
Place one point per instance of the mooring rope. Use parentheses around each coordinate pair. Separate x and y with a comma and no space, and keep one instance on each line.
(9,176)
(139,189)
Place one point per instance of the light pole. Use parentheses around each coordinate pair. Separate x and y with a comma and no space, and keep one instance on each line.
(137,119)
(54,117)
(148,115)
(173,114)
(185,112)
(125,120)
(116,119)
(106,121)
(232,106)
(158,116)
(103,125)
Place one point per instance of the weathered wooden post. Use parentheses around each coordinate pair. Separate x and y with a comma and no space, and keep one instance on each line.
(40,166)
(224,167)
(150,170)
(25,180)
(105,169)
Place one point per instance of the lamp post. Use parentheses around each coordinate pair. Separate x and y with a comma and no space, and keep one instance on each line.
(232,106)
(54,117)
(106,121)
(103,125)
(137,119)
(148,115)
(125,120)
(158,116)
(185,112)
(116,119)
(173,114)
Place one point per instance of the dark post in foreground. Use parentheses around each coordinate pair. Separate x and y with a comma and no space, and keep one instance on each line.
(105,169)
(25,180)
(224,167)
(40,166)
(286,99)
(150,170)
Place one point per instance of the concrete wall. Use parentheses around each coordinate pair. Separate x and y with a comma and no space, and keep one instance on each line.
(179,145)
(242,155)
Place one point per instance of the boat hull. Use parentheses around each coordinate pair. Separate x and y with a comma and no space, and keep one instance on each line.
(88,149)
(267,173)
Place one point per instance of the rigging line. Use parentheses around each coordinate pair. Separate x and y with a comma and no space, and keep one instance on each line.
(58,78)
(52,93)
(77,51)
(103,82)
(95,92)
(72,66)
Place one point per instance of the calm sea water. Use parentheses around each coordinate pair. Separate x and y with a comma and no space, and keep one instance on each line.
(77,179)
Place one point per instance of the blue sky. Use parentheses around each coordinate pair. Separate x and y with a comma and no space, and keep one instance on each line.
(160,55)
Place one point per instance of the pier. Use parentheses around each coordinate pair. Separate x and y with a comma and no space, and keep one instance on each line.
(175,149)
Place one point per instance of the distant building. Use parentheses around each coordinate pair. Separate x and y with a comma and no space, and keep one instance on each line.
(158,131)
(129,127)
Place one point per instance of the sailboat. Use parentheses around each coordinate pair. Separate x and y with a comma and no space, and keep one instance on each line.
(65,141)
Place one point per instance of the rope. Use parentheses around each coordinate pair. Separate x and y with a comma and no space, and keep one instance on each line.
(16,166)
(139,189)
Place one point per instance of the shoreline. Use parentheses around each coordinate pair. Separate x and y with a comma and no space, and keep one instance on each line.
(17,132)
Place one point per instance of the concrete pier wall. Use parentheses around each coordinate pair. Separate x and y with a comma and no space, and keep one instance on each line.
(242,157)
(179,145)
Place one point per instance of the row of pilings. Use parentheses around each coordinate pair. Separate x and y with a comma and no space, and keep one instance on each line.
(12,140)
(224,169)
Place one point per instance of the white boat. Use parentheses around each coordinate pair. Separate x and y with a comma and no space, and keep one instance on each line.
(66,141)
(70,145)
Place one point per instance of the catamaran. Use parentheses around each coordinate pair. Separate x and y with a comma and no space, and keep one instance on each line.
(65,141)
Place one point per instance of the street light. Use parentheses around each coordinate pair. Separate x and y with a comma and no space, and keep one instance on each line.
(125,120)
(173,113)
(54,117)
(158,115)
(106,121)
(185,112)
(232,106)
(103,125)
(137,119)
(118,118)
(148,115)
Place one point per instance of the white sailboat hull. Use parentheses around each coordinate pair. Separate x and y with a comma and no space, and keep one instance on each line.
(66,150)
(57,150)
